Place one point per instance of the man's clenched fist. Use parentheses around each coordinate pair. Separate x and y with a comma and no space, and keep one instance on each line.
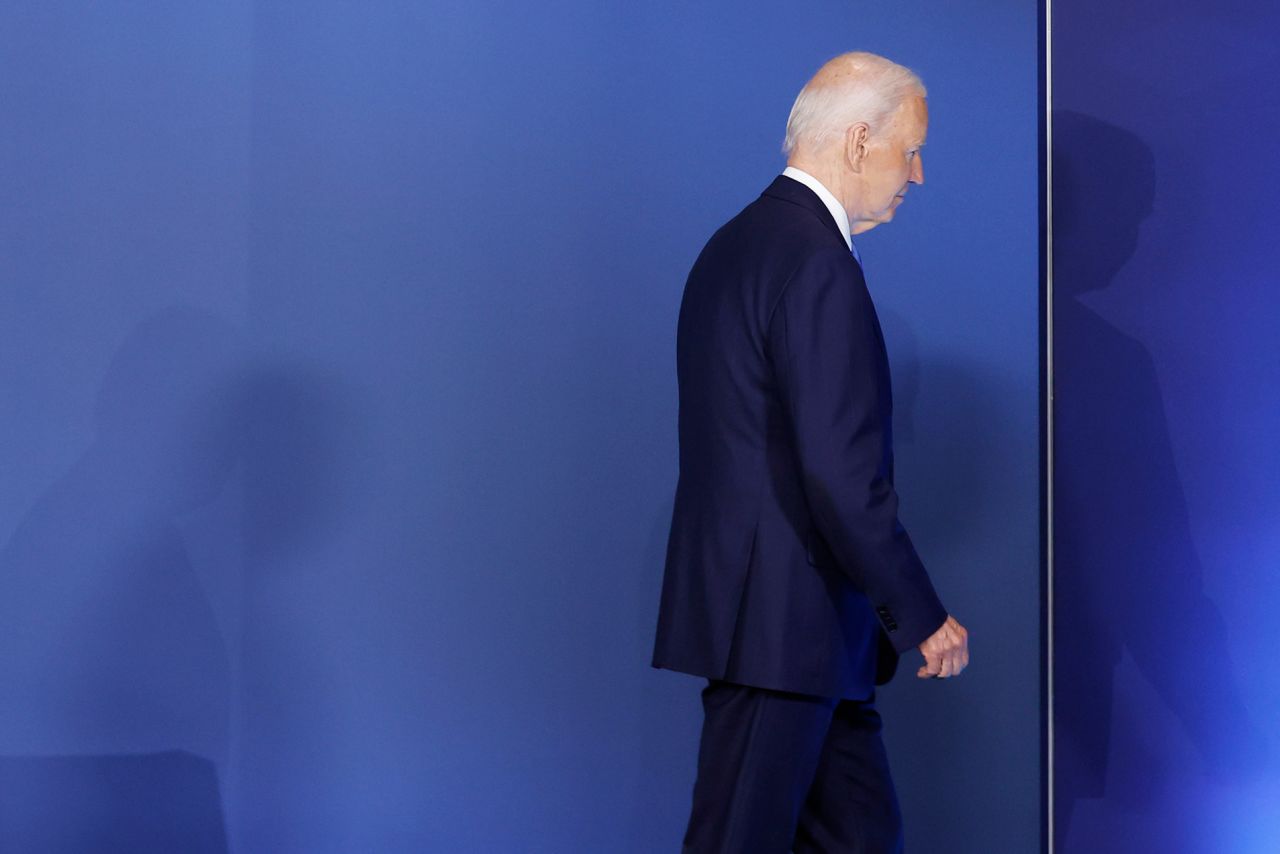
(946,652)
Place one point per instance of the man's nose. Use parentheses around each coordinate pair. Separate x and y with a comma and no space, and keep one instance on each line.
(917,169)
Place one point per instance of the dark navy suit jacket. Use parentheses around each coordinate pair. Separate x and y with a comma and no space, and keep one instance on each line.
(787,567)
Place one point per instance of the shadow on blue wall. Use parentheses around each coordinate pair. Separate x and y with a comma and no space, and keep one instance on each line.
(418,611)
(127,804)
(115,675)
(293,413)
(1127,575)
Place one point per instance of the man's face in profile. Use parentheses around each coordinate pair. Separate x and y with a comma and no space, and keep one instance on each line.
(893,163)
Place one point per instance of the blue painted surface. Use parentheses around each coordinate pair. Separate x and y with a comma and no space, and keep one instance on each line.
(1167,377)
(341,338)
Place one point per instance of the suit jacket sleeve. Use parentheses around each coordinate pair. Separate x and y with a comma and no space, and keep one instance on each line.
(828,359)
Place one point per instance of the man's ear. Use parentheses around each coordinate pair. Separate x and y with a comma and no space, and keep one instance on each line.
(856,138)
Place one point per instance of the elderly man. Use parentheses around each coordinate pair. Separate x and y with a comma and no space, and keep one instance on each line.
(790,583)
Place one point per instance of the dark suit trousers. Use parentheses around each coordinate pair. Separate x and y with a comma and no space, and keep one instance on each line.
(781,772)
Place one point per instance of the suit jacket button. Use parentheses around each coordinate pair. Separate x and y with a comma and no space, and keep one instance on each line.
(889,622)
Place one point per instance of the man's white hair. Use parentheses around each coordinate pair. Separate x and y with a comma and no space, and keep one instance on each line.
(867,88)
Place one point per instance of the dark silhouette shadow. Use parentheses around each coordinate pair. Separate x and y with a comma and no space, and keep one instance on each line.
(148,802)
(309,470)
(294,422)
(1127,577)
(114,675)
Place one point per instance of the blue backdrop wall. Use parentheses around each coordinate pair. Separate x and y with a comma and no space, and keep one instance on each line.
(1167,379)
(338,370)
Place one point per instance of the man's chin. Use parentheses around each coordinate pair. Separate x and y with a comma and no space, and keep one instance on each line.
(863,226)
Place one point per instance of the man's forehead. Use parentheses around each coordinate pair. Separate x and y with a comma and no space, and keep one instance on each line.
(915,119)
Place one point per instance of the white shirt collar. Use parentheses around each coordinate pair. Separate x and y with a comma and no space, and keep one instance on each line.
(838,213)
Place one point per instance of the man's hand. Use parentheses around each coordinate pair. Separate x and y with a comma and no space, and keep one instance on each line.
(946,652)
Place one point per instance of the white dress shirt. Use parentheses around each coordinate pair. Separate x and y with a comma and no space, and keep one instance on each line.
(838,213)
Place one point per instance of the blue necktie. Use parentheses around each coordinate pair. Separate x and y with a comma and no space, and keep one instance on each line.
(857,256)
